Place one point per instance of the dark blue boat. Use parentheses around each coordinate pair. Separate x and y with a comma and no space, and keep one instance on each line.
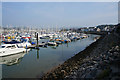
(11,42)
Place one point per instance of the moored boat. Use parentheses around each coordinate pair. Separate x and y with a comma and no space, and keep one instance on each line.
(11,60)
(50,43)
(10,49)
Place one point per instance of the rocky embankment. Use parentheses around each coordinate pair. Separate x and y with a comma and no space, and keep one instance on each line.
(100,60)
(104,65)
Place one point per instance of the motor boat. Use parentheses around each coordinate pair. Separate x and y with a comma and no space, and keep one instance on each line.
(12,59)
(24,44)
(10,49)
(11,42)
(50,43)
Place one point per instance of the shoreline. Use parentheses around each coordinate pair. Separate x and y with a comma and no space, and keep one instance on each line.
(61,69)
(99,50)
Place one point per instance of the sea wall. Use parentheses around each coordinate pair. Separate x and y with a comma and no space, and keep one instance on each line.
(93,62)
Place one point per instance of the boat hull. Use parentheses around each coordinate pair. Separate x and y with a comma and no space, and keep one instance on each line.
(7,52)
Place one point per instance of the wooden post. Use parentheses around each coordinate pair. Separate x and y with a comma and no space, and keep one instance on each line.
(37,39)
(35,34)
(37,54)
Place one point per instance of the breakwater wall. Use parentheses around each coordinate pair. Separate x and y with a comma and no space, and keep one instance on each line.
(97,50)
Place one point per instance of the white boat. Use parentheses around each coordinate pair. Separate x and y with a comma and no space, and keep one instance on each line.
(12,59)
(52,43)
(10,49)
(84,36)
(26,44)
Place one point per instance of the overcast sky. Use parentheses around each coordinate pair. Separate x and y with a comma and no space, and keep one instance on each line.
(52,14)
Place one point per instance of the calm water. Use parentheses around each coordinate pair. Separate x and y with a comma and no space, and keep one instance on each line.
(34,63)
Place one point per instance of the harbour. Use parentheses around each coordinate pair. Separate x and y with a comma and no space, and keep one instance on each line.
(37,62)
(59,40)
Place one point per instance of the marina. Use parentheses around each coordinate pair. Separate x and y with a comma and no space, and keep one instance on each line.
(34,62)
(59,40)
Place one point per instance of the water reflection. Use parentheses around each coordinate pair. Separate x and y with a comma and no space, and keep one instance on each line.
(42,60)
(94,37)
(54,47)
(37,54)
(67,44)
(12,59)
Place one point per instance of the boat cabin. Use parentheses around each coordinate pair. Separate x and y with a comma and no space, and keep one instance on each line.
(12,46)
